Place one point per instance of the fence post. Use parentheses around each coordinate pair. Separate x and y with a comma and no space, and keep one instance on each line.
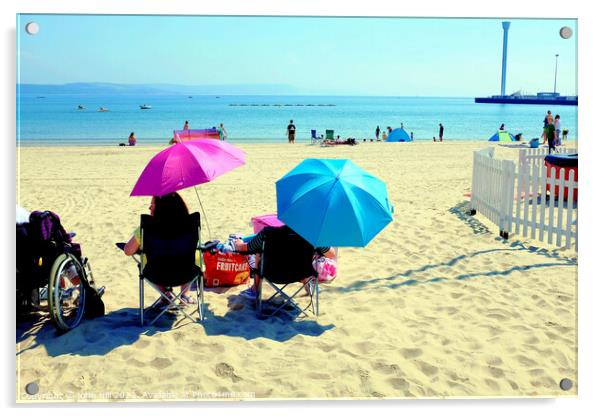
(474,189)
(507,191)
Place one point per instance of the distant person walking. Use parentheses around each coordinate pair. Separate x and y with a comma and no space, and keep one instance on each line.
(550,132)
(186,127)
(441,128)
(502,127)
(223,134)
(402,125)
(377,132)
(557,127)
(291,132)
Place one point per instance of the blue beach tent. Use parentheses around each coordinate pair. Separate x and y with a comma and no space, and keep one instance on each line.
(399,135)
(502,136)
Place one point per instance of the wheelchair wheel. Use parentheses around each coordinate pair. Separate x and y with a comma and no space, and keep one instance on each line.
(66,292)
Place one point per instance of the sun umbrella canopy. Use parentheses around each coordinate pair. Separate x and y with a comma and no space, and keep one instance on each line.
(187,164)
(502,136)
(332,202)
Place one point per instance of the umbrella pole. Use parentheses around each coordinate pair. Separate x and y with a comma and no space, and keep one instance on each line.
(204,215)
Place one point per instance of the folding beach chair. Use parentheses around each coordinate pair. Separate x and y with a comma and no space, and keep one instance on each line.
(167,260)
(287,259)
(329,134)
(314,137)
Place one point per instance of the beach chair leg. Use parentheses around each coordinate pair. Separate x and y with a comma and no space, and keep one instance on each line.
(317,312)
(141,302)
(200,287)
(258,294)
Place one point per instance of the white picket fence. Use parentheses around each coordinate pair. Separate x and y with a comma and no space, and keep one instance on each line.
(526,202)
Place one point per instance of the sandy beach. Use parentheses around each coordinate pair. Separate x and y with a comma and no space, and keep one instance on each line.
(437,305)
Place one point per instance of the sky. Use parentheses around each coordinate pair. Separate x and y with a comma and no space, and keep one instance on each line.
(324,55)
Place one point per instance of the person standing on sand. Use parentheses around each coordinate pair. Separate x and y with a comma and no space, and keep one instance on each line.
(557,126)
(547,120)
(377,132)
(441,128)
(185,125)
(291,132)
(223,134)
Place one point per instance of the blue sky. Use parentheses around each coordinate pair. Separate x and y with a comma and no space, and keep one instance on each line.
(347,56)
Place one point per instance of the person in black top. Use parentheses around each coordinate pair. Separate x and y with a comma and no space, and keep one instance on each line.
(255,246)
(291,132)
(377,132)
(440,132)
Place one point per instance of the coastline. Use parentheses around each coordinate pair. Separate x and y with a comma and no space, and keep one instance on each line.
(436,306)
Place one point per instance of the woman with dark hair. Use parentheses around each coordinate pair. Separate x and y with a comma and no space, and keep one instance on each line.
(132,139)
(169,211)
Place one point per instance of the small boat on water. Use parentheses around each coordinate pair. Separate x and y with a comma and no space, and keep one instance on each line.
(102,110)
(145,107)
(81,107)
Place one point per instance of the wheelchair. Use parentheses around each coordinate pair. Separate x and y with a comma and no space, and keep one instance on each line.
(53,277)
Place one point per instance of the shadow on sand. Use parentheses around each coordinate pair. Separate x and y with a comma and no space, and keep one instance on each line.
(122,327)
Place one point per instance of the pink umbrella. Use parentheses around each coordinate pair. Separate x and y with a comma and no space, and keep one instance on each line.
(187,164)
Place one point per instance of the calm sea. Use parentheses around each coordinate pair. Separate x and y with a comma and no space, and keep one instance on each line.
(55,119)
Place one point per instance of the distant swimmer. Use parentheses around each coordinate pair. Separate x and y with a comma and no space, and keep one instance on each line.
(103,110)
(185,126)
(81,107)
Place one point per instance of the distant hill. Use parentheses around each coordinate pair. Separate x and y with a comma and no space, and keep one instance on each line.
(103,88)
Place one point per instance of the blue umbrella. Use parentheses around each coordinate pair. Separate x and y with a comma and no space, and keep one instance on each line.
(332,202)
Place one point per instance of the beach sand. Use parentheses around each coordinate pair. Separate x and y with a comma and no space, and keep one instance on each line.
(437,305)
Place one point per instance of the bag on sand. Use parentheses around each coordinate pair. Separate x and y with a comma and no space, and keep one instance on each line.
(225,269)
(325,267)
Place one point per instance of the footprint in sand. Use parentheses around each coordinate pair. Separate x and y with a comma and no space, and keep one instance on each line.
(492,384)
(143,343)
(526,361)
(426,368)
(496,372)
(399,384)
(225,370)
(160,363)
(409,353)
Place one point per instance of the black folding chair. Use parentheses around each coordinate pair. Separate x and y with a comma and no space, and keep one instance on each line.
(287,259)
(167,260)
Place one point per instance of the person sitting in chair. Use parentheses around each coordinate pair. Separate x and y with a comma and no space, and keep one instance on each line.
(169,210)
(255,247)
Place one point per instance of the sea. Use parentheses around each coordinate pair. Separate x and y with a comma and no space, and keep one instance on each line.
(55,119)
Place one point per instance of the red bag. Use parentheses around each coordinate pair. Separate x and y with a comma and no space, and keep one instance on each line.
(225,269)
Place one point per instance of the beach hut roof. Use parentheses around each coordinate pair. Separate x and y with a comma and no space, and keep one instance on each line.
(399,135)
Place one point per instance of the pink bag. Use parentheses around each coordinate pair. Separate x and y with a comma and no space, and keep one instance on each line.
(325,267)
